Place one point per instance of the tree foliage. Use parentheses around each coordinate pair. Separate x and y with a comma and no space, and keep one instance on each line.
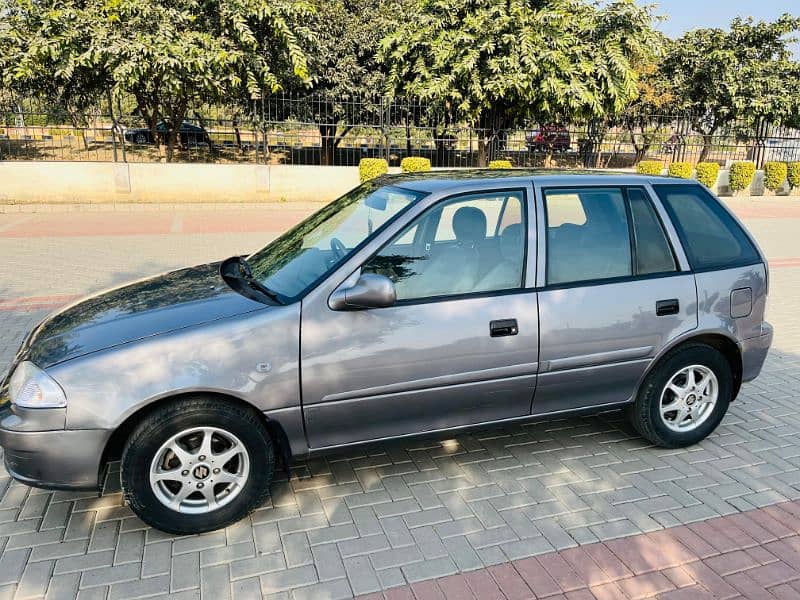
(745,73)
(345,74)
(167,54)
(497,62)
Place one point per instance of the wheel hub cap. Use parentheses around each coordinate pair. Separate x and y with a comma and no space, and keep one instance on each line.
(688,398)
(199,470)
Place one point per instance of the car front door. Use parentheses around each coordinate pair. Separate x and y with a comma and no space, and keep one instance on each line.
(459,347)
(613,292)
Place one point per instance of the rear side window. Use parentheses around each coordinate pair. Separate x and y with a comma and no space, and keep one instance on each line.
(587,235)
(653,252)
(711,237)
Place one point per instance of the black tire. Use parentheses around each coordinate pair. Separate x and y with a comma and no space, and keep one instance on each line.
(169,420)
(140,138)
(645,415)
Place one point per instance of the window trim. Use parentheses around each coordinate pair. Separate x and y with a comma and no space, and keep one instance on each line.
(720,266)
(484,293)
(634,276)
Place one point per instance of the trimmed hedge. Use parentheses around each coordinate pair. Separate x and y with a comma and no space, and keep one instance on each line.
(500,164)
(741,175)
(680,169)
(415,164)
(650,167)
(370,168)
(707,173)
(793,174)
(774,175)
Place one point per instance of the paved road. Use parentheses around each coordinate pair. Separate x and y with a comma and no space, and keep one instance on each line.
(389,515)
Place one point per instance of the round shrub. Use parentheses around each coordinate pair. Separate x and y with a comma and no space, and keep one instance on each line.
(650,167)
(741,175)
(415,164)
(707,173)
(680,169)
(370,168)
(500,164)
(793,174)
(774,175)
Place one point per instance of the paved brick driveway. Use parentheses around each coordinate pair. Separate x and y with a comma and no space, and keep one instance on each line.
(390,515)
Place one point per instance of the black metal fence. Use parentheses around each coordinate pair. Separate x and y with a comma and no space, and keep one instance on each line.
(321,130)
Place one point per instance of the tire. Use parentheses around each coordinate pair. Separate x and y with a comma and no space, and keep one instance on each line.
(673,430)
(140,138)
(161,465)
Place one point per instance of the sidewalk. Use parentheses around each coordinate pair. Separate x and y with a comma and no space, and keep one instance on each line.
(753,554)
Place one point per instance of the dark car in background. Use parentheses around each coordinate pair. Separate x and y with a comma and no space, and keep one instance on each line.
(189,135)
(553,138)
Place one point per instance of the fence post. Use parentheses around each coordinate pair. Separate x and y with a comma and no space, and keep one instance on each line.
(385,112)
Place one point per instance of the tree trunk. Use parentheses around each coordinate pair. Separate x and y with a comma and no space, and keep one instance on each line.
(238,134)
(708,140)
(481,152)
(172,138)
(327,144)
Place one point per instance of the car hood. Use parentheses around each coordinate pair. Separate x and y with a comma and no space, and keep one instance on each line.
(133,311)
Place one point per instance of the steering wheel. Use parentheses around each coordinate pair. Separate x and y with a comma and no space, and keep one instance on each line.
(339,249)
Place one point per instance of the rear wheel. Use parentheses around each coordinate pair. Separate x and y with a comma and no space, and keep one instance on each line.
(197,465)
(684,397)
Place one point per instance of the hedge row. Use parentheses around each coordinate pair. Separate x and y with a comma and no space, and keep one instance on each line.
(741,174)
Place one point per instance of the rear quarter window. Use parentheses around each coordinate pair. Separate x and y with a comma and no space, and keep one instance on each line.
(711,237)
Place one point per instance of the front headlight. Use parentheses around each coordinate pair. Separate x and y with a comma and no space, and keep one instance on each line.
(30,387)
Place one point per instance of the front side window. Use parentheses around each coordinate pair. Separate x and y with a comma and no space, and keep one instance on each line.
(467,244)
(293,262)
(587,235)
(711,237)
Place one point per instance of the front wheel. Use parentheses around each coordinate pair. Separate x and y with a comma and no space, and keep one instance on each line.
(197,465)
(684,397)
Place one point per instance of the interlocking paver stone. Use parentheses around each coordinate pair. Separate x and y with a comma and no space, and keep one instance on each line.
(416,509)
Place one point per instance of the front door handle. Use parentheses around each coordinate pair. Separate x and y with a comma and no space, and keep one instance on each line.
(503,327)
(667,307)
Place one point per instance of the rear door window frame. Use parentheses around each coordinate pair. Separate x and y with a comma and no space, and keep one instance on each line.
(650,197)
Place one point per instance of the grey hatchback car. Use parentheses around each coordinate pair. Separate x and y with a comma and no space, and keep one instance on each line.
(411,305)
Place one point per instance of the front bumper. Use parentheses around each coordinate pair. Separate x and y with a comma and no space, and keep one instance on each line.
(754,352)
(55,459)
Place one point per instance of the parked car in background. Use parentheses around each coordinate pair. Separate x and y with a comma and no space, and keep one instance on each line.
(189,135)
(414,304)
(548,138)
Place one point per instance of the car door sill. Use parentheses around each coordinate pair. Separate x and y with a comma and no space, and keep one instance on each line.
(460,428)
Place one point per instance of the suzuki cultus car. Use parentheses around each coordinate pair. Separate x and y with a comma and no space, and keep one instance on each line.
(411,305)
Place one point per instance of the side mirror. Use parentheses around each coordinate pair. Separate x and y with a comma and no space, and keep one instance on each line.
(370,291)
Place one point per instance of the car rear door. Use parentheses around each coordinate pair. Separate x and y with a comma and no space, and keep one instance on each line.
(459,347)
(613,292)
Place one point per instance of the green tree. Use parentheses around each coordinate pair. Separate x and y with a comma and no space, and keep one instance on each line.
(645,118)
(499,62)
(345,74)
(168,54)
(720,76)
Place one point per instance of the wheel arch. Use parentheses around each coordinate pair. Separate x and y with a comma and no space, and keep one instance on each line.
(117,439)
(720,341)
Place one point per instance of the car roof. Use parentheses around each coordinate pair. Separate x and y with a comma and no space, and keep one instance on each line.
(434,181)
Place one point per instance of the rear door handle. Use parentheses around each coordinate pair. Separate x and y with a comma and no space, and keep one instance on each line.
(667,307)
(503,327)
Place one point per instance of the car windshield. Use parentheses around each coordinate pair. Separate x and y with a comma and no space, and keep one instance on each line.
(295,261)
